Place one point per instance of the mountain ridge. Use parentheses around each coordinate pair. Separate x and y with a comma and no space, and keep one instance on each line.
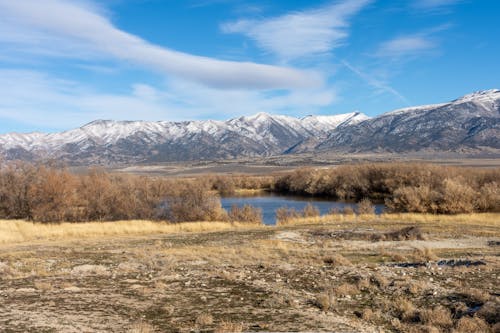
(471,122)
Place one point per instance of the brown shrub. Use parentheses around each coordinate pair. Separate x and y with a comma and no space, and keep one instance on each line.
(365,206)
(310,211)
(346,289)
(424,254)
(471,324)
(438,316)
(488,199)
(193,202)
(404,310)
(204,319)
(457,197)
(419,199)
(348,210)
(224,185)
(285,215)
(409,187)
(324,301)
(337,260)
(247,213)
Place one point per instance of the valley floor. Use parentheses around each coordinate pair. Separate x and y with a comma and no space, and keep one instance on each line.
(379,275)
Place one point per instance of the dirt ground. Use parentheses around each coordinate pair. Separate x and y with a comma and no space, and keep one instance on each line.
(347,277)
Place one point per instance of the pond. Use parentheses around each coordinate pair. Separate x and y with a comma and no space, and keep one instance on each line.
(269,204)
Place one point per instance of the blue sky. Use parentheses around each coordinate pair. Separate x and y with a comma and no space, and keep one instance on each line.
(64,63)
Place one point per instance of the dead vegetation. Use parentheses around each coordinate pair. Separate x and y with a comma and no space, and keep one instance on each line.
(419,188)
(289,278)
(49,194)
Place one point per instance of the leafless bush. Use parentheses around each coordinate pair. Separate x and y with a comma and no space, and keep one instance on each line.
(193,202)
(285,215)
(310,211)
(365,206)
(410,187)
(247,213)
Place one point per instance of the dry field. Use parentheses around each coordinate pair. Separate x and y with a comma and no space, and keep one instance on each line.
(394,273)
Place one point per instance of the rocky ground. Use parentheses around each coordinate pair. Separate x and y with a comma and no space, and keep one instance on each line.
(348,277)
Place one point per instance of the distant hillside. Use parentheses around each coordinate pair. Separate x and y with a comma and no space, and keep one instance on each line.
(470,123)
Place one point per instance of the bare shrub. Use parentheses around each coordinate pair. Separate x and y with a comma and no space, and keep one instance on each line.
(419,199)
(348,210)
(404,310)
(379,280)
(471,324)
(368,315)
(424,254)
(365,207)
(204,319)
(310,211)
(247,213)
(285,215)
(409,187)
(488,198)
(193,202)
(346,289)
(224,186)
(438,316)
(324,301)
(457,197)
(337,260)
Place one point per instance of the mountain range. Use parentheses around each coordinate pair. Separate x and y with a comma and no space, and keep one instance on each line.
(468,124)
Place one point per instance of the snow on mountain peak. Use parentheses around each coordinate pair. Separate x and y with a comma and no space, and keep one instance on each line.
(480,96)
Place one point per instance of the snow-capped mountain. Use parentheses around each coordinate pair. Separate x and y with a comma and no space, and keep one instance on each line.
(107,141)
(467,124)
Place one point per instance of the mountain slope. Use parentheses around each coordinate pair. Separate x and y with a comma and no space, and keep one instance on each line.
(469,124)
(106,141)
(465,124)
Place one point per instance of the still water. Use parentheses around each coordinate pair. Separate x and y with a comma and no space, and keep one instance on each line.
(269,204)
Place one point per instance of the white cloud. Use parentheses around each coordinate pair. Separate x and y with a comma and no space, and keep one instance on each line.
(62,28)
(302,33)
(376,83)
(408,45)
(42,100)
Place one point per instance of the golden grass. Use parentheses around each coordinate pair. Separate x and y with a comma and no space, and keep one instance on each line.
(492,219)
(18,231)
(250,192)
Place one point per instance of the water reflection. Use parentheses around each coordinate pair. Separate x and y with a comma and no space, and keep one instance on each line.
(269,204)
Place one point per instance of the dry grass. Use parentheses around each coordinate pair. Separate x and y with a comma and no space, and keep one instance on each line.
(323,301)
(337,260)
(229,327)
(471,324)
(141,327)
(438,316)
(18,231)
(473,218)
(204,319)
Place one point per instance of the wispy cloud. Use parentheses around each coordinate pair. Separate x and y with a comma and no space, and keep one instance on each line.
(43,100)
(84,31)
(379,85)
(301,33)
(408,45)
